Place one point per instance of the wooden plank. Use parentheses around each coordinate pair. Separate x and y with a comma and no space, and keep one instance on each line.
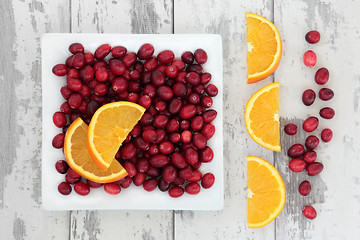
(228,19)
(124,16)
(335,192)
(21,213)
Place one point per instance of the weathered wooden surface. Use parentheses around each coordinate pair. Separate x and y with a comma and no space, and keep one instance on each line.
(335,192)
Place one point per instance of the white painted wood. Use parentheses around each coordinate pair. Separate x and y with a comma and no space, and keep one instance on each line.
(335,192)
(21,213)
(228,19)
(124,16)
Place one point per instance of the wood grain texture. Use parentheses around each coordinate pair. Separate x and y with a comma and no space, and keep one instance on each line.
(22,23)
(124,16)
(335,192)
(228,19)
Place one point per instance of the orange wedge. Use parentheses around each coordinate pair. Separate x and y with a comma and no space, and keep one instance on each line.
(266,192)
(264,47)
(108,128)
(262,117)
(79,160)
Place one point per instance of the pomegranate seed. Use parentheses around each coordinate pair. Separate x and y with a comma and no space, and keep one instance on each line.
(166,147)
(64,188)
(208,131)
(308,97)
(128,151)
(310,156)
(296,150)
(93,184)
(76,48)
(297,165)
(192,78)
(74,84)
(58,140)
(326,135)
(322,76)
(145,51)
(78,60)
(199,140)
(209,115)
(171,71)
(176,192)
(312,37)
(71,180)
(102,51)
(150,184)
(145,101)
(310,124)
(207,180)
(304,188)
(166,56)
(82,189)
(127,182)
(211,90)
(169,173)
(61,166)
(326,94)
(186,136)
(290,129)
(159,160)
(165,93)
(311,142)
(161,133)
(112,188)
(191,156)
(309,212)
(188,111)
(309,58)
(59,119)
(314,168)
(89,58)
(149,136)
(60,70)
(327,113)
(66,92)
(206,101)
(118,52)
(192,188)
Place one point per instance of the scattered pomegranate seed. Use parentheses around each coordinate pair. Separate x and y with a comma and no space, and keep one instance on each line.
(304,188)
(309,58)
(309,212)
(322,76)
(326,135)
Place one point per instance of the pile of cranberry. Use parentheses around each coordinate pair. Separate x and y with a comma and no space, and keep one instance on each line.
(308,160)
(169,144)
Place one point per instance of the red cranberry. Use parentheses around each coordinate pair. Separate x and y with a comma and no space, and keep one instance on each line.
(192,188)
(116,182)
(83,107)
(199,140)
(149,135)
(187,57)
(74,73)
(157,78)
(197,123)
(192,78)
(184,124)
(161,106)
(175,105)
(133,97)
(314,168)
(209,115)
(61,166)
(305,188)
(130,168)
(101,89)
(101,74)
(82,189)
(169,173)
(163,185)
(207,180)
(211,90)
(93,184)
(87,73)
(71,180)
(66,92)
(145,101)
(311,142)
(166,147)
(139,179)
(193,98)
(100,64)
(326,135)
(89,58)
(112,188)
(102,51)
(176,192)
(160,121)
(326,94)
(290,129)
(206,155)
(322,76)
(179,64)
(76,48)
(205,78)
(64,188)
(308,97)
(127,139)
(154,149)
(311,124)
(146,119)
(139,67)
(206,101)
(74,84)
(60,70)
(145,51)
(142,144)
(165,93)
(161,134)
(310,156)
(85,91)
(117,67)
(327,113)
(309,58)
(297,165)
(195,68)
(149,90)
(135,75)
(74,116)
(129,59)
(312,37)
(151,64)
(75,100)
(171,71)
(123,95)
(208,131)
(200,56)
(196,176)
(78,60)
(59,119)
(180,78)
(127,182)
(180,90)
(128,151)
(58,140)
(92,106)
(69,62)
(172,126)
(65,128)
(150,184)
(186,136)
(118,52)
(142,165)
(178,160)
(309,212)
(153,172)
(296,150)
(188,111)
(159,160)
(166,56)
(191,156)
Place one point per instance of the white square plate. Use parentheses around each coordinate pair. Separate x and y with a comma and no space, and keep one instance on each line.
(54,51)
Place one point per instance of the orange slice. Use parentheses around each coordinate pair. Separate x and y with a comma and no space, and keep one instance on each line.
(109,127)
(266,192)
(79,160)
(262,117)
(264,47)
